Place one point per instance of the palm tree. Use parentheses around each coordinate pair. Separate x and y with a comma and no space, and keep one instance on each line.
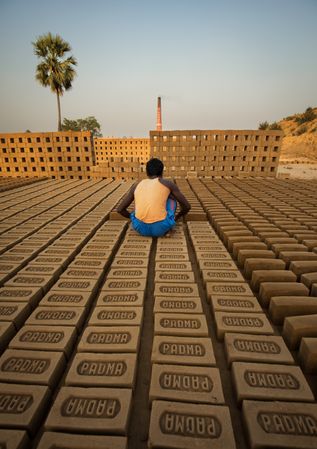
(53,70)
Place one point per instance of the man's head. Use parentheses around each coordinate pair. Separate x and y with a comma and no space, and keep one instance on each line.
(154,167)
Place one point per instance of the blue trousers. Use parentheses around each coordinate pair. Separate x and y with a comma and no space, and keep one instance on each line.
(158,228)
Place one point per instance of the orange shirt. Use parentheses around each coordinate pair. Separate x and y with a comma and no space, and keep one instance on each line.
(150,198)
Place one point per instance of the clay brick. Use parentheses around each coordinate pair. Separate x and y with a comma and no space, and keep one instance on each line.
(245,254)
(45,338)
(47,260)
(186,384)
(176,290)
(256,348)
(296,327)
(43,282)
(133,254)
(280,425)
(209,247)
(7,331)
(171,257)
(231,303)
(215,432)
(260,276)
(85,254)
(269,289)
(180,324)
(14,312)
(171,305)
(102,370)
(136,245)
(245,323)
(118,285)
(240,239)
(14,439)
(60,298)
(300,267)
(112,316)
(283,306)
(58,316)
(218,265)
(242,232)
(66,252)
(31,367)
(308,354)
(277,240)
(120,298)
(80,262)
(262,264)
(238,246)
(279,247)
(109,339)
(290,256)
(223,275)
(82,273)
(52,440)
(121,262)
(92,410)
(127,273)
(174,276)
(52,270)
(183,351)
(75,285)
(270,382)
(309,279)
(22,407)
(310,243)
(214,255)
(228,288)
(173,266)
(171,249)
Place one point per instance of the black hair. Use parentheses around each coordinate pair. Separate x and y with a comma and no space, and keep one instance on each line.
(154,167)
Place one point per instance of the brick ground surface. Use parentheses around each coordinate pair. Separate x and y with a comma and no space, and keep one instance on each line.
(205,338)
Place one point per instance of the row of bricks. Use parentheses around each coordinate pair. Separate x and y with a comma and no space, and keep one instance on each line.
(253,380)
(55,243)
(279,290)
(184,379)
(7,184)
(56,366)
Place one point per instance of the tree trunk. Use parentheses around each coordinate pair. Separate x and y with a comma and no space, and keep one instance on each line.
(59,112)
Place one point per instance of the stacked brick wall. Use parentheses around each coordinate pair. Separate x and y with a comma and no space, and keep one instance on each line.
(119,168)
(122,158)
(54,154)
(217,153)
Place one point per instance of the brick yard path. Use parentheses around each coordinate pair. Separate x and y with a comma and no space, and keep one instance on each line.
(204,339)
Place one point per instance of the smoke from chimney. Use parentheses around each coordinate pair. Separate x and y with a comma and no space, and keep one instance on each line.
(159,115)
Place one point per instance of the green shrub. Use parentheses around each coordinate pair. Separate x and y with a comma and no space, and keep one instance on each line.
(290,117)
(308,116)
(264,125)
(275,126)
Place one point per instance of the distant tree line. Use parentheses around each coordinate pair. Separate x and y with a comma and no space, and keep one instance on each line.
(268,126)
(83,124)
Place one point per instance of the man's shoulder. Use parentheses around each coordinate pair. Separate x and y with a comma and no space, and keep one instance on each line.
(167,183)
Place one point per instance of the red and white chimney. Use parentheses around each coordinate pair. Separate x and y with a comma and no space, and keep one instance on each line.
(159,115)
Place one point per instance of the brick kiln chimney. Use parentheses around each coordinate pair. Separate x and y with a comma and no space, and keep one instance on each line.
(159,115)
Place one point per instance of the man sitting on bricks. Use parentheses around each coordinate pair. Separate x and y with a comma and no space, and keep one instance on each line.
(155,201)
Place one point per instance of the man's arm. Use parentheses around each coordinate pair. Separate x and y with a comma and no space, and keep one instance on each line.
(125,203)
(179,197)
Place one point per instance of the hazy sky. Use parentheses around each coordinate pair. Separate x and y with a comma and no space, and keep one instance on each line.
(226,64)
